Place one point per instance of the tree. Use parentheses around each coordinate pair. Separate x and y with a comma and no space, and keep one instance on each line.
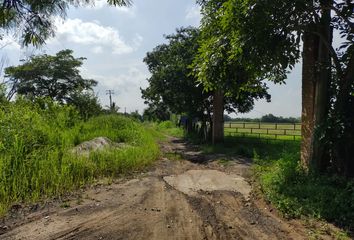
(328,75)
(268,33)
(171,83)
(33,20)
(222,71)
(56,77)
(86,103)
(156,111)
(174,86)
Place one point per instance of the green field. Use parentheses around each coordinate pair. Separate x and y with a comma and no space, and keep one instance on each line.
(276,131)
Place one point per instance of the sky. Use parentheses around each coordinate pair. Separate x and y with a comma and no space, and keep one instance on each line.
(116,39)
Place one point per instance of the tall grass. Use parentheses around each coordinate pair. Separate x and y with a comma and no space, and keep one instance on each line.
(35,157)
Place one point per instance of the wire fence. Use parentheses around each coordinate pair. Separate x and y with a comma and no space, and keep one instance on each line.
(260,130)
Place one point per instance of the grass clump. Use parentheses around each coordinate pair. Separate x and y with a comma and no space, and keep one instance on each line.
(35,157)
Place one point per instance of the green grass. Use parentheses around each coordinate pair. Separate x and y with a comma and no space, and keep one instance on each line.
(293,192)
(279,131)
(35,157)
(167,128)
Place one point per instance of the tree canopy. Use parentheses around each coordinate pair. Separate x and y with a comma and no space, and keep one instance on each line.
(33,20)
(263,38)
(222,67)
(171,82)
(56,77)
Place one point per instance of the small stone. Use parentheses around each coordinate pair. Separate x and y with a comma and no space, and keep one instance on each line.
(190,220)
(168,226)
(4,227)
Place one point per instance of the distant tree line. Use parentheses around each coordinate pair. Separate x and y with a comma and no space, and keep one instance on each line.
(266,118)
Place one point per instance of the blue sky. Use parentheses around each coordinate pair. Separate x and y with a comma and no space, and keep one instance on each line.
(115,41)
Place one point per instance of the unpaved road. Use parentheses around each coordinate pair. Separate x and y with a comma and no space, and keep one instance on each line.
(196,197)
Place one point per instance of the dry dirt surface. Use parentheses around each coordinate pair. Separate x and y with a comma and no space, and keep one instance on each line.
(185,195)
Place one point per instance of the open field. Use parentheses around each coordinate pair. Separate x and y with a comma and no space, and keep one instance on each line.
(274,131)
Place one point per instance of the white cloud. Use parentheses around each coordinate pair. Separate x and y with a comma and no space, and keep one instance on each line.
(121,82)
(91,34)
(193,12)
(126,87)
(101,4)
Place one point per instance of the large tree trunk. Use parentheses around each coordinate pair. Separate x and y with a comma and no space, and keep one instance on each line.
(309,58)
(218,117)
(316,78)
(323,78)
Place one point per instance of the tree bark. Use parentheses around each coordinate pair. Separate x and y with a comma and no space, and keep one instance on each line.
(316,79)
(309,58)
(323,78)
(218,117)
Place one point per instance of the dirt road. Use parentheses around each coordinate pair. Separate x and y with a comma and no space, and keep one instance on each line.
(190,197)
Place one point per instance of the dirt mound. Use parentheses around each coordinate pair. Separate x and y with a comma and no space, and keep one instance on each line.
(95,144)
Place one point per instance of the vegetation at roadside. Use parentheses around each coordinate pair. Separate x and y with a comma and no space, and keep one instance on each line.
(287,187)
(36,157)
(170,128)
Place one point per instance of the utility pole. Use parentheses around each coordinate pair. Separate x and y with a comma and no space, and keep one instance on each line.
(110,93)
